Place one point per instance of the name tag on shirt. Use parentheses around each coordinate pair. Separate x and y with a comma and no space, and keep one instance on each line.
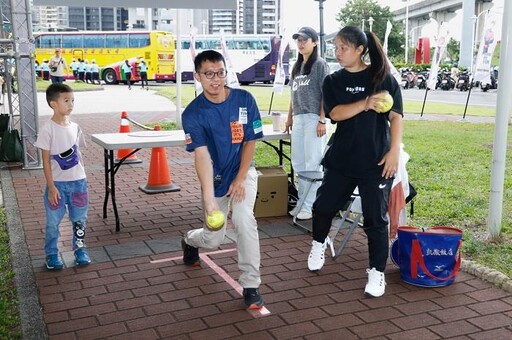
(242,115)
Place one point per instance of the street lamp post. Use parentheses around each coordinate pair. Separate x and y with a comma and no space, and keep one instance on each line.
(476,19)
(203,24)
(415,36)
(406,30)
(370,22)
(321,12)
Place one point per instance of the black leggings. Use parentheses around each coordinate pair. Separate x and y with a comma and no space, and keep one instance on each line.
(333,194)
(128,76)
(144,78)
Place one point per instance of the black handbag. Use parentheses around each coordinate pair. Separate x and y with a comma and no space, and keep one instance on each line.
(4,123)
(11,149)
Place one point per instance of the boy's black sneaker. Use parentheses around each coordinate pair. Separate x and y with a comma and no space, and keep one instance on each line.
(252,298)
(190,254)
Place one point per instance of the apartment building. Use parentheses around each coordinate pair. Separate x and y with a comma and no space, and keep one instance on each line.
(251,17)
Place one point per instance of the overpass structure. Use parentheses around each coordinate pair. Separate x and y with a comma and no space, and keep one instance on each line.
(420,13)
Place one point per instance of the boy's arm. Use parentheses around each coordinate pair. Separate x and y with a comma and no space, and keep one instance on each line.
(237,188)
(53,193)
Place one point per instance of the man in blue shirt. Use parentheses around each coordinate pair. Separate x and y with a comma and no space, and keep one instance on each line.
(221,127)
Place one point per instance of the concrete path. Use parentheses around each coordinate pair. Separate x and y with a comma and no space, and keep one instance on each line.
(112,99)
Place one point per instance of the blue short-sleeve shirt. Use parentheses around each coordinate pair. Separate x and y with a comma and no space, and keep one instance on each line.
(222,128)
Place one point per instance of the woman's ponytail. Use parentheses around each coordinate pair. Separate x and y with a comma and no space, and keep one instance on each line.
(379,67)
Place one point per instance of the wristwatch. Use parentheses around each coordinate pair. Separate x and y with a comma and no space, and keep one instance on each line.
(321,121)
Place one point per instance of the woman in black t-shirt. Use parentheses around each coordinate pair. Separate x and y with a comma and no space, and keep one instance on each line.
(365,149)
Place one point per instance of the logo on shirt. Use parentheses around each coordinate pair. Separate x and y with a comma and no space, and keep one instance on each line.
(257,126)
(301,80)
(354,90)
(188,139)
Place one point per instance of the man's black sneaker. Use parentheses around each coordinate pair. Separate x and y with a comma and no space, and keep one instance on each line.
(252,298)
(190,254)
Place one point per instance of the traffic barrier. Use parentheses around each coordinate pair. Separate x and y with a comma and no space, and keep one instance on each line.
(122,153)
(159,178)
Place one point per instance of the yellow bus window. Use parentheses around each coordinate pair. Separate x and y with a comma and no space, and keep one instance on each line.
(50,41)
(94,41)
(139,40)
(116,41)
(72,41)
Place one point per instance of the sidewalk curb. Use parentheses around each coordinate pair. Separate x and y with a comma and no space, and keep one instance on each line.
(31,314)
(492,276)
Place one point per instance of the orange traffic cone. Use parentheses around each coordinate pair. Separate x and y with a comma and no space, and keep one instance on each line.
(159,179)
(122,153)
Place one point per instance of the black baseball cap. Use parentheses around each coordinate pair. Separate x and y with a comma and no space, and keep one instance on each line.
(307,33)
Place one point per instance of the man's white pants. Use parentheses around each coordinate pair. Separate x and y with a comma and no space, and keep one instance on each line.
(246,232)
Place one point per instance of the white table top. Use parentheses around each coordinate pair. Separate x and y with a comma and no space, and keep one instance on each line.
(151,139)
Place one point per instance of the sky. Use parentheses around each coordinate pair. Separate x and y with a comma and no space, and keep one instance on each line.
(298,13)
(308,15)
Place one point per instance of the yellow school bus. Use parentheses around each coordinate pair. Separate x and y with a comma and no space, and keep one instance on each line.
(110,49)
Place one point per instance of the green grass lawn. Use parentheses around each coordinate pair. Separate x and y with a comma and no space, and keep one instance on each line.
(280,102)
(450,168)
(10,324)
(42,85)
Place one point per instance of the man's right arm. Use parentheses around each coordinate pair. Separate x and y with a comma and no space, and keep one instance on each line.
(204,169)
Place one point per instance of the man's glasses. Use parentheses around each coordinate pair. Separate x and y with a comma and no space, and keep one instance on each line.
(211,74)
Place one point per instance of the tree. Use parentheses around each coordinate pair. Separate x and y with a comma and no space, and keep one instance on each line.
(355,11)
(453,50)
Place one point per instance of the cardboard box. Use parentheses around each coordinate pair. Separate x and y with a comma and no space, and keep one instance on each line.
(272,197)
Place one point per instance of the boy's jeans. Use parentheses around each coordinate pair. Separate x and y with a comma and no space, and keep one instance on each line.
(75,196)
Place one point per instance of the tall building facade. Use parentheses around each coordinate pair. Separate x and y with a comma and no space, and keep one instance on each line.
(49,17)
(166,19)
(82,18)
(98,18)
(259,16)
(251,17)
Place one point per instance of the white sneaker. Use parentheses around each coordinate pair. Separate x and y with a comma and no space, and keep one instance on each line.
(376,283)
(304,215)
(316,257)
(294,211)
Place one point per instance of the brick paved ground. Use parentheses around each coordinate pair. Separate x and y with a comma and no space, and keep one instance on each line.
(123,295)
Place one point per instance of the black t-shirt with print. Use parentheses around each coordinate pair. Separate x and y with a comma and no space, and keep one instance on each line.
(361,141)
